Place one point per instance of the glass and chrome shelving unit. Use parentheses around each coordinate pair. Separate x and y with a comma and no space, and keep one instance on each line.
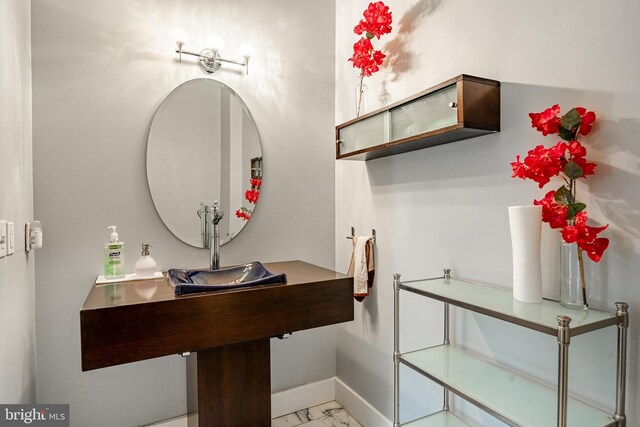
(513,398)
(460,108)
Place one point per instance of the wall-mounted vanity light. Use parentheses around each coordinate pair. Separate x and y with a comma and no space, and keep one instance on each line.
(209,58)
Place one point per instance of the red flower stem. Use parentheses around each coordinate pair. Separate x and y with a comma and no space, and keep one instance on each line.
(584,285)
(360,92)
(572,189)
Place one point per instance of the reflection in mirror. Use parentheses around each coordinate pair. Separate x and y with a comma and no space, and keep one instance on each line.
(204,147)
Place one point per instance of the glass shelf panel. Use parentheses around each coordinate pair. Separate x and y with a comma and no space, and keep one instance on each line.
(425,114)
(499,303)
(364,134)
(439,419)
(503,393)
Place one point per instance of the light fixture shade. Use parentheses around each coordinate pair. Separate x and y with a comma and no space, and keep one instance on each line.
(179,35)
(215,42)
(247,50)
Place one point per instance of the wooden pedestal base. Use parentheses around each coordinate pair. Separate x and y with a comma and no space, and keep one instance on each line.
(234,386)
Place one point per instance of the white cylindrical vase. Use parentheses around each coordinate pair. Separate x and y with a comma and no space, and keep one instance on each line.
(526,224)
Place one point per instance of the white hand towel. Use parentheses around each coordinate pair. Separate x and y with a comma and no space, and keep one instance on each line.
(362,266)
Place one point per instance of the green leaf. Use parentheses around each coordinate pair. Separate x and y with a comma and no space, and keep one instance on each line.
(566,134)
(572,170)
(574,208)
(563,196)
(571,120)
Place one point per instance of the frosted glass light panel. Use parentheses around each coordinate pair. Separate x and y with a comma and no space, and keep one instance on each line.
(428,113)
(366,133)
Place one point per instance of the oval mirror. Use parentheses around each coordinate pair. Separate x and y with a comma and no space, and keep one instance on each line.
(203,147)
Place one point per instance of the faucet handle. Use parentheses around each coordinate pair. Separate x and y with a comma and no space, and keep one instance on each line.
(217,212)
(205,209)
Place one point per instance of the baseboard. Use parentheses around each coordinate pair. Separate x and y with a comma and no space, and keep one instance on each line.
(359,408)
(180,421)
(304,396)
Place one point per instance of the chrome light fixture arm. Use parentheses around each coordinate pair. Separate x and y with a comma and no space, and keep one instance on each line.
(210,60)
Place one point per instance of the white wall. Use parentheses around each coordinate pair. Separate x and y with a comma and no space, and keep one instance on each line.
(447,206)
(100,69)
(17,301)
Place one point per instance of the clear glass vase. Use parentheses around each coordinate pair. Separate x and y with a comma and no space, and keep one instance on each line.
(573,294)
(362,93)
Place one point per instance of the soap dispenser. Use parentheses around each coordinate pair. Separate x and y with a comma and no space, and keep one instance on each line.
(114,256)
(145,267)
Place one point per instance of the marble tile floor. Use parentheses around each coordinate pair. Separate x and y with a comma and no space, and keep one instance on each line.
(329,414)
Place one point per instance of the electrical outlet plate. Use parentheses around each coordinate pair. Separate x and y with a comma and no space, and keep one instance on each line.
(3,239)
(11,238)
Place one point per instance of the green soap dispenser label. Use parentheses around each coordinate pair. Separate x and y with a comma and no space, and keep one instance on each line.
(113,264)
(113,253)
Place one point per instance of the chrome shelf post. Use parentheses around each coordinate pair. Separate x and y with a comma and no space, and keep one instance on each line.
(396,350)
(621,370)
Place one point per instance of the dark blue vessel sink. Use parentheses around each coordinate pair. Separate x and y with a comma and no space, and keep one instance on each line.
(241,276)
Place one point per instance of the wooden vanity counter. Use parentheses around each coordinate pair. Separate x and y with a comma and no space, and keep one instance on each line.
(230,331)
(139,320)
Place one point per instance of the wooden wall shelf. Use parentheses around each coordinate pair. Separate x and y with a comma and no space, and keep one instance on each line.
(460,108)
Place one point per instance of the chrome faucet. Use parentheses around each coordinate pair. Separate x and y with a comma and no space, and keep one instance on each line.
(215,244)
(212,216)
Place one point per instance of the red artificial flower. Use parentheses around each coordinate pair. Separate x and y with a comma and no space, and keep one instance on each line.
(586,237)
(377,21)
(576,149)
(553,213)
(558,152)
(577,153)
(378,56)
(360,28)
(244,215)
(361,53)
(587,119)
(588,168)
(541,164)
(252,195)
(365,57)
(547,121)
(363,47)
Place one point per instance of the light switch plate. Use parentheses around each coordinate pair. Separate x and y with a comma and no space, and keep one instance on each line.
(11,238)
(3,239)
